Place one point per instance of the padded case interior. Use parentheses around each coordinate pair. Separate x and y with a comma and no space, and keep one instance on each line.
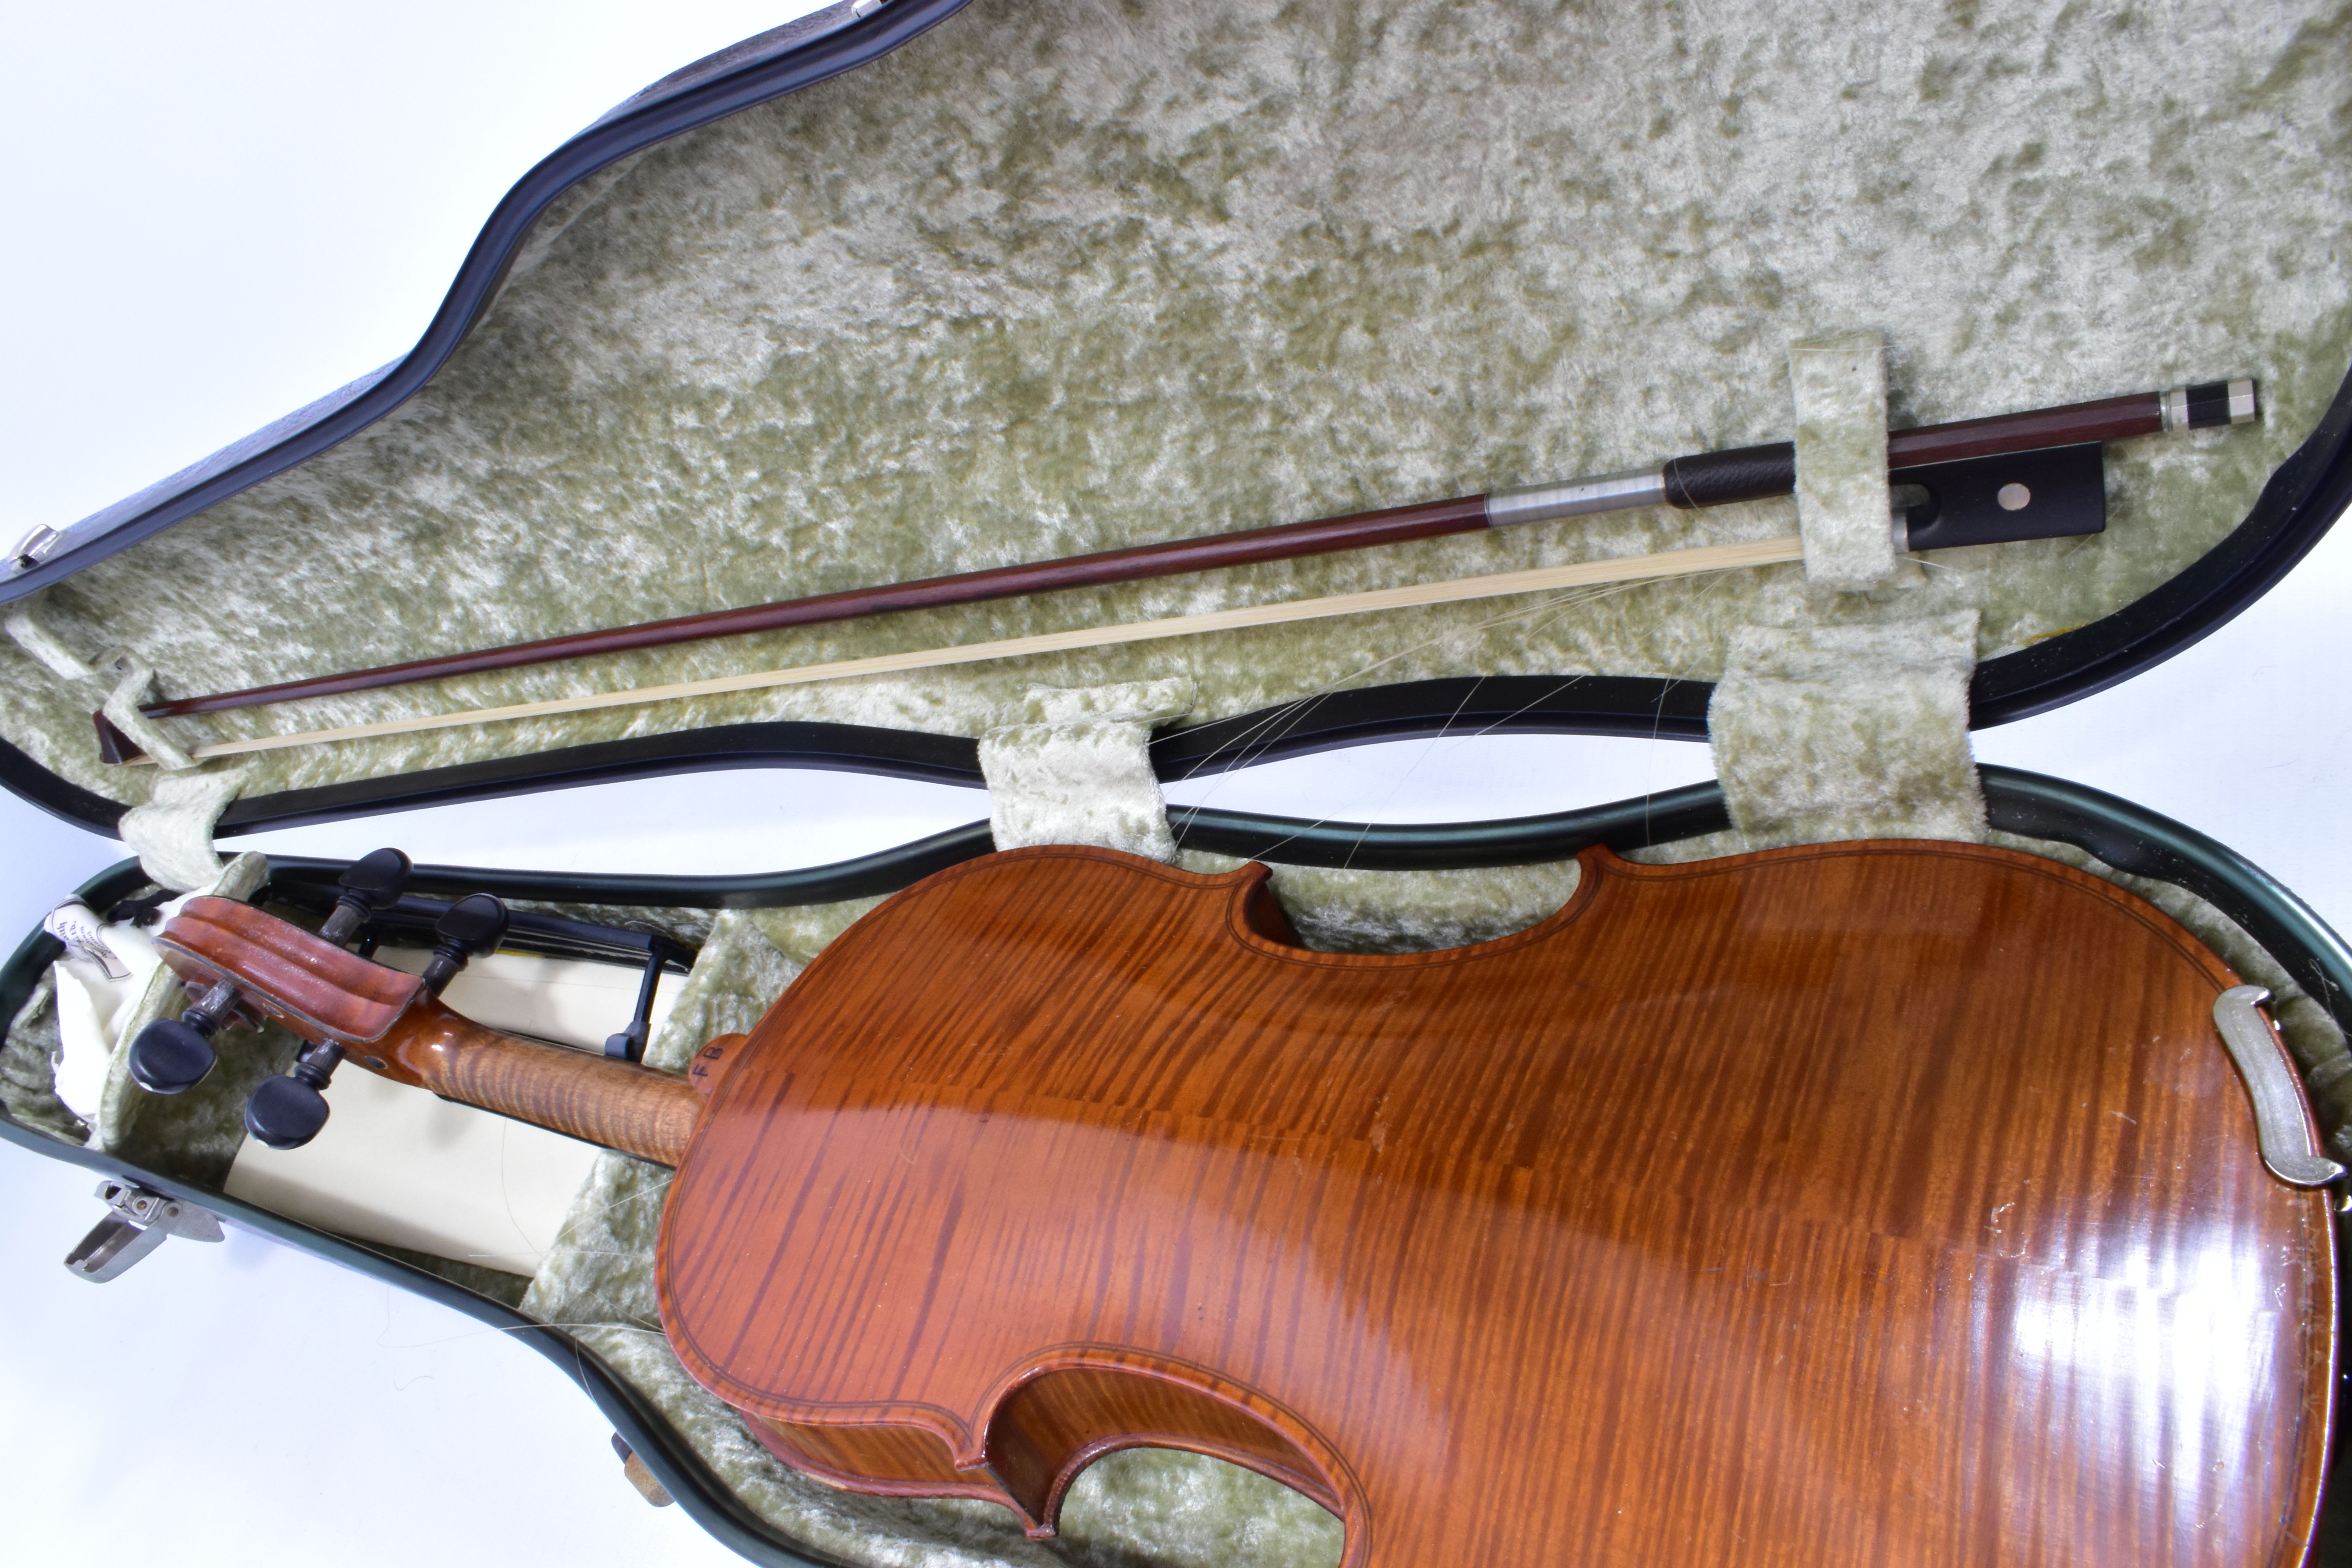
(1065,276)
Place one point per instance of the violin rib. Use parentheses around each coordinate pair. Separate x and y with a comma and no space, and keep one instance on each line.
(1866,1203)
(1892,1202)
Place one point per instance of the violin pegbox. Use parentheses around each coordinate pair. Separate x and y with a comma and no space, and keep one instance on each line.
(332,998)
(287,1111)
(172,1056)
(283,973)
(393,1024)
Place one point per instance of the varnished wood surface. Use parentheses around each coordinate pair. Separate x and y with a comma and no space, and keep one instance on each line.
(2108,419)
(1888,1204)
(319,991)
(614,1104)
(323,992)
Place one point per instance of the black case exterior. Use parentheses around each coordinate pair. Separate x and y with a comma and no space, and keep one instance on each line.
(2126,836)
(2302,499)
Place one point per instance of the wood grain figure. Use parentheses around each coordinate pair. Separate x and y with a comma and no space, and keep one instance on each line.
(1871,1204)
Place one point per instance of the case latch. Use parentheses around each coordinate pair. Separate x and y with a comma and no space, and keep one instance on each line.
(139,1223)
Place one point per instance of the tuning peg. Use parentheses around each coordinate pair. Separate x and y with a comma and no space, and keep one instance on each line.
(287,1112)
(373,881)
(473,925)
(172,1056)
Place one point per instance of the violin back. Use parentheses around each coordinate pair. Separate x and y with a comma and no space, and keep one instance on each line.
(1892,1202)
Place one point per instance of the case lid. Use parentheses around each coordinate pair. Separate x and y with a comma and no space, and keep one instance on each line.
(1056,279)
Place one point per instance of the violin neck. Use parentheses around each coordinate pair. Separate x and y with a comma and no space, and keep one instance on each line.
(614,1104)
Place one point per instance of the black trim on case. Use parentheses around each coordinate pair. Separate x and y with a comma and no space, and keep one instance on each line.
(1521,704)
(867,876)
(2306,494)
(782,61)
(61,798)
(846,748)
(1634,824)
(1621,705)
(2120,834)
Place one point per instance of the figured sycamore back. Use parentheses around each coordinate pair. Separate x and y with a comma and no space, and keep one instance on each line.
(1885,1203)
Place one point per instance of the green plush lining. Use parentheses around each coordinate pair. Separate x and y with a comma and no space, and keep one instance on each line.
(1073,274)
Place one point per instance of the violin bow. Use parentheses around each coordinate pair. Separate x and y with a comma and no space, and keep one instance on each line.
(1541,579)
(1687,482)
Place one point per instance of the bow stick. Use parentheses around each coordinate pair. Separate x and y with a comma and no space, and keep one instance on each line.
(1699,480)
(1713,478)
(1537,580)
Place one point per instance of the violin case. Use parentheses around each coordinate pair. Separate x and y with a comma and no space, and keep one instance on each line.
(911,289)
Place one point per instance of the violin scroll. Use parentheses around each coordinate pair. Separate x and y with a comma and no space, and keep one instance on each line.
(391,1024)
(172,1056)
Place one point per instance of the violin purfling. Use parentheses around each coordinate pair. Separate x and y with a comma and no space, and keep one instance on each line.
(1889,1201)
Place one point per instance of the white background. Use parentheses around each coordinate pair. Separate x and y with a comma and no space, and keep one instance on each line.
(218,214)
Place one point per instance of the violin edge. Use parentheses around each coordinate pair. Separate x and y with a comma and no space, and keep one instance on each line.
(963,1447)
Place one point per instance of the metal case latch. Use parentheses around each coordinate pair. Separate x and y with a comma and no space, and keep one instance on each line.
(139,1223)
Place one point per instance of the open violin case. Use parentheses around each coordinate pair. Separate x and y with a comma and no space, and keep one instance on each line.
(943,286)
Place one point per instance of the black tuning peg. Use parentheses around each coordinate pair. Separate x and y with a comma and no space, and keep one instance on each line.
(287,1112)
(373,881)
(171,1056)
(473,925)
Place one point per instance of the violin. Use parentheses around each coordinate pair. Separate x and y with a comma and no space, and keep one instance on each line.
(1889,1201)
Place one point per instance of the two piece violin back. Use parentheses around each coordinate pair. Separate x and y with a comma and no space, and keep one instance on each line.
(1872,1202)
